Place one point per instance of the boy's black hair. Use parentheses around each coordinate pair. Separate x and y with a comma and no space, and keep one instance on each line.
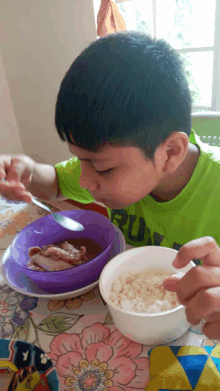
(125,89)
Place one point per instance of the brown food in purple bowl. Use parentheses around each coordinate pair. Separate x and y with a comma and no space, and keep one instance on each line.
(63,255)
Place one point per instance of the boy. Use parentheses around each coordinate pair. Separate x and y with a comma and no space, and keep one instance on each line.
(124,108)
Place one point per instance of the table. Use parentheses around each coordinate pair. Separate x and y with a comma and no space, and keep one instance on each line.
(78,334)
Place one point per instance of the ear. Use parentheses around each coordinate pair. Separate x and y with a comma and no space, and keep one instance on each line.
(174,150)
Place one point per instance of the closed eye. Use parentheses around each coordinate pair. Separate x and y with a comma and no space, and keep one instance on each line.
(105,172)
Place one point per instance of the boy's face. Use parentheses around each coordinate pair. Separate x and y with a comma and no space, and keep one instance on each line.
(117,176)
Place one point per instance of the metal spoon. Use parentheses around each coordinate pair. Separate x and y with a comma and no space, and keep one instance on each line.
(66,222)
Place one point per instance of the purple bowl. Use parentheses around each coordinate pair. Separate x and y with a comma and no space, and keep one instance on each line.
(45,231)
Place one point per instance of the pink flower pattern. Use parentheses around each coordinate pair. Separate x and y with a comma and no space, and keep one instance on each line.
(99,360)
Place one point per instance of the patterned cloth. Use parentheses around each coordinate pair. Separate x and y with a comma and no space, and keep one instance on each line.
(184,368)
(77,334)
(17,355)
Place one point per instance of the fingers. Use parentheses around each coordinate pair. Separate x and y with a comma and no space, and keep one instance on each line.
(212,330)
(2,173)
(3,168)
(15,191)
(205,249)
(14,174)
(199,277)
(199,289)
(16,170)
(171,283)
(203,305)
(215,317)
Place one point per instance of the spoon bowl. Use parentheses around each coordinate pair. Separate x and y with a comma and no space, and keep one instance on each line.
(64,221)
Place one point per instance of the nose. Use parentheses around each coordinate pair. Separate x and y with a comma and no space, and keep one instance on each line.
(87,178)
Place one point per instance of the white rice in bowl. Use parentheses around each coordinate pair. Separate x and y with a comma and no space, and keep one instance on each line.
(143,292)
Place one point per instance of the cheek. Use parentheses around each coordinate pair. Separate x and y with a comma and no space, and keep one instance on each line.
(149,181)
(136,181)
(130,185)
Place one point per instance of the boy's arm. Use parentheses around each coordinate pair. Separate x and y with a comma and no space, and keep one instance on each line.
(23,177)
(44,183)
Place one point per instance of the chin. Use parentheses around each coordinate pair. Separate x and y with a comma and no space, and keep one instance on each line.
(115,205)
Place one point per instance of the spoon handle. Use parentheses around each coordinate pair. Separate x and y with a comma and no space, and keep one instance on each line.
(38,203)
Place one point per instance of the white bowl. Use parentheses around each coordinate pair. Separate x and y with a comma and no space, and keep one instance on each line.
(149,329)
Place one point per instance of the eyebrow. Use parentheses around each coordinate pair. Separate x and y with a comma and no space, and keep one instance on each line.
(90,160)
(95,160)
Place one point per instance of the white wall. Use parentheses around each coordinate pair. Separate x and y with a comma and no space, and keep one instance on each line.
(10,141)
(39,40)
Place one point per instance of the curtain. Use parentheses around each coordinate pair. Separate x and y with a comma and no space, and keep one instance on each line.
(109,19)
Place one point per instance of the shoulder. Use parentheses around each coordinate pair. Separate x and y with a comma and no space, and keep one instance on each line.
(208,152)
(68,165)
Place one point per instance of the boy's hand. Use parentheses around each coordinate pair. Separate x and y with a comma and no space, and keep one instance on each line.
(15,176)
(199,289)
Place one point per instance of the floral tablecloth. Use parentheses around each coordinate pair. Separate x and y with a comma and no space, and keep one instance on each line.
(78,334)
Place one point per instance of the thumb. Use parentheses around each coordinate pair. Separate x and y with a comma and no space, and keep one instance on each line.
(171,282)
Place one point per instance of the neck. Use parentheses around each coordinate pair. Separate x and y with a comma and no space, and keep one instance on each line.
(172,184)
